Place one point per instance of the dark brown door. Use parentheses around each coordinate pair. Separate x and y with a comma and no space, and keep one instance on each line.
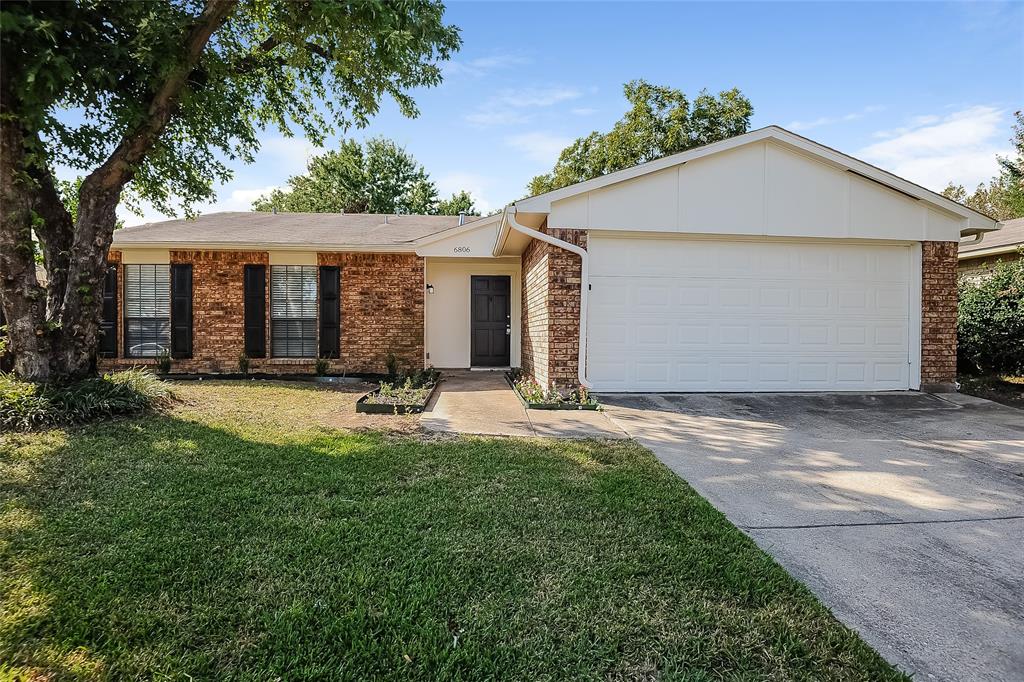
(491,320)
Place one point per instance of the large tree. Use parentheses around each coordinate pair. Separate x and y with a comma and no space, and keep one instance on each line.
(1003,196)
(378,177)
(152,101)
(661,121)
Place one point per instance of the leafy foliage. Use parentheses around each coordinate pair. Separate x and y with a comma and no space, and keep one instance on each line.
(535,394)
(1003,196)
(380,177)
(460,202)
(661,121)
(26,405)
(990,321)
(269,64)
(152,101)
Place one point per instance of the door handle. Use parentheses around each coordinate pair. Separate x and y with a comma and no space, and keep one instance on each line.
(508,331)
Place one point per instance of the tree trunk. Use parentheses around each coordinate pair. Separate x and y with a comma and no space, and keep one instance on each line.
(23,299)
(53,332)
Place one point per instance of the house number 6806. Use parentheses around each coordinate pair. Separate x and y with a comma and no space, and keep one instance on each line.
(461,249)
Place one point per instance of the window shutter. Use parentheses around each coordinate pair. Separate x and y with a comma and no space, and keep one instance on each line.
(181,311)
(255,311)
(108,327)
(330,312)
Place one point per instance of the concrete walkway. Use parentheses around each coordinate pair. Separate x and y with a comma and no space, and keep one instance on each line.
(482,403)
(903,512)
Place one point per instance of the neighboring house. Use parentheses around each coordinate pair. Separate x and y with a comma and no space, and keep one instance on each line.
(765,262)
(978,257)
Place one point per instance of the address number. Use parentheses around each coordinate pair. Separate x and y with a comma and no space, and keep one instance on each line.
(461,249)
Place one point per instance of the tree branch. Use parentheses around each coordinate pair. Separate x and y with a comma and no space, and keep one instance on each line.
(118,169)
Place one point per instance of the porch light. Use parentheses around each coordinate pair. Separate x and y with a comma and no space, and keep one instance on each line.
(430,288)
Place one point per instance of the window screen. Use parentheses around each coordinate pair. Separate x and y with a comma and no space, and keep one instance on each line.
(293,311)
(147,310)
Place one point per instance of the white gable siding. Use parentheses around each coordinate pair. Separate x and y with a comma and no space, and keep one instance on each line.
(743,170)
(764,188)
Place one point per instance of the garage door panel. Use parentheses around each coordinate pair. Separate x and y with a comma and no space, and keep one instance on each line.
(801,316)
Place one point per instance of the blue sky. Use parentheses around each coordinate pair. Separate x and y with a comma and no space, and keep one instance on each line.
(925,90)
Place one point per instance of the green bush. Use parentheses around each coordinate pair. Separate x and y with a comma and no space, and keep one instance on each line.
(25,405)
(990,322)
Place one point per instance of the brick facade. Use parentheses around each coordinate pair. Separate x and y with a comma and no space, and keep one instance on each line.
(551,309)
(381,313)
(382,309)
(938,314)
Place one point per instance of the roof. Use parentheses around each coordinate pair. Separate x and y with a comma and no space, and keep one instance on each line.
(1005,240)
(289,230)
(978,221)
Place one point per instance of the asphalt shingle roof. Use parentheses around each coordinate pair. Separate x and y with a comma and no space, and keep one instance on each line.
(289,229)
(1011,234)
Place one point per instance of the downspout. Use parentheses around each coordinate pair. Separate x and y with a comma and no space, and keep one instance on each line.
(581,367)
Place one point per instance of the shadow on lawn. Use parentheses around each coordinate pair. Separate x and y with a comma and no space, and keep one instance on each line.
(160,546)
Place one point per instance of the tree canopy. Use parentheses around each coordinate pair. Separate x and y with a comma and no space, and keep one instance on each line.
(378,177)
(1003,196)
(661,121)
(152,101)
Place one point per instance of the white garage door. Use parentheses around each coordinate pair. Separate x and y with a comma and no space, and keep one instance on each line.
(723,315)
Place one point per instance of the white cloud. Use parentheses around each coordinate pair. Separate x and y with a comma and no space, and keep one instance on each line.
(484,65)
(287,155)
(511,106)
(476,185)
(539,146)
(933,151)
(831,120)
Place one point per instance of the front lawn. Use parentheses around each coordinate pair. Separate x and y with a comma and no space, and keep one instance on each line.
(241,535)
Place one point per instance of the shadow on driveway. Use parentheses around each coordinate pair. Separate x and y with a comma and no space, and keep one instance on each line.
(904,512)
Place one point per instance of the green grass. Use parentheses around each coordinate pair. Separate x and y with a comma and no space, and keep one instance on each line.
(237,537)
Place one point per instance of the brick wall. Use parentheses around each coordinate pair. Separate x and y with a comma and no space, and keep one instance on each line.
(938,313)
(381,309)
(980,268)
(551,309)
(381,312)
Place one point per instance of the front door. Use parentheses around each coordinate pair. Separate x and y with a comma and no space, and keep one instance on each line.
(491,320)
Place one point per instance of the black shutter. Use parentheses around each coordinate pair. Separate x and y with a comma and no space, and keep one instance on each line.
(108,327)
(181,311)
(330,312)
(256,311)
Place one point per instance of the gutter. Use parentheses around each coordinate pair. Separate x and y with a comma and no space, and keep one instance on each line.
(510,221)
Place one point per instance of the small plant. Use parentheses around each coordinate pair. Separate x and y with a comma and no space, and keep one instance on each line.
(391,363)
(535,394)
(243,363)
(322,365)
(25,405)
(163,362)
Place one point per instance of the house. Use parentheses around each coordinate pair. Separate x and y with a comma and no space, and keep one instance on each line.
(978,257)
(765,262)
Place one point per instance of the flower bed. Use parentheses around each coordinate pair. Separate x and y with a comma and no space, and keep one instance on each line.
(402,395)
(534,397)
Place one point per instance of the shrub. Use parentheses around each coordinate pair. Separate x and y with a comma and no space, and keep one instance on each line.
(25,405)
(321,367)
(243,363)
(990,321)
(163,363)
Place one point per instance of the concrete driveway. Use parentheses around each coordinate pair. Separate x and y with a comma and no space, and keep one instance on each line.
(903,512)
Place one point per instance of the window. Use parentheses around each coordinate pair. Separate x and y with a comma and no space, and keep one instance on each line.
(147,310)
(293,311)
